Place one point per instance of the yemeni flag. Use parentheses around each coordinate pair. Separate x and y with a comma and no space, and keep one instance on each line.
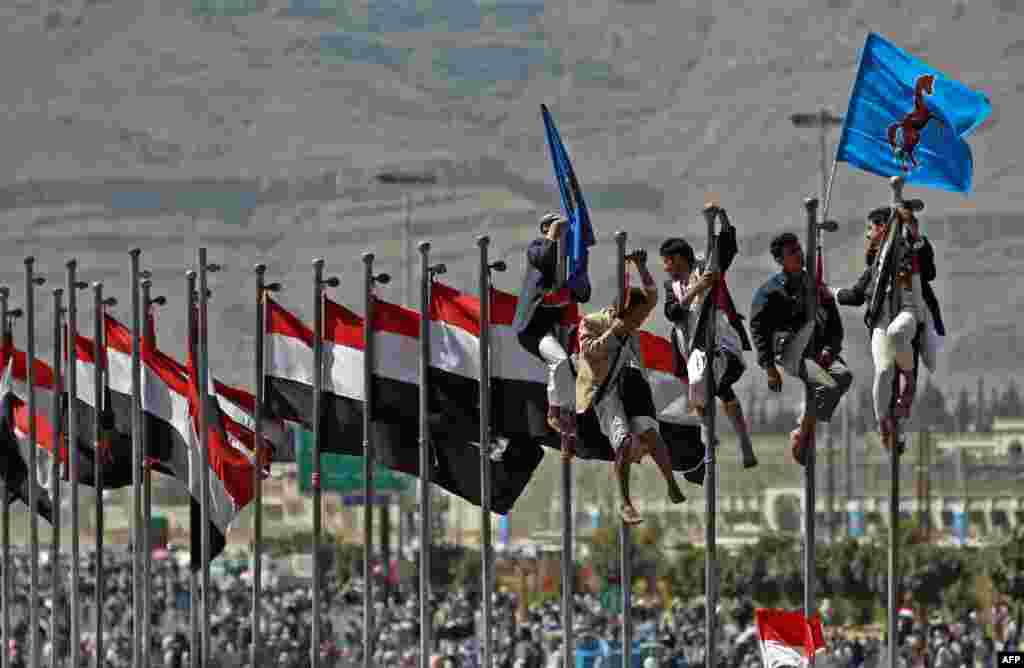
(115,416)
(237,406)
(231,484)
(44,383)
(788,638)
(14,454)
(454,418)
(170,407)
(117,429)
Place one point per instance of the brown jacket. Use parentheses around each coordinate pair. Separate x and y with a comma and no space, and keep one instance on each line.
(601,335)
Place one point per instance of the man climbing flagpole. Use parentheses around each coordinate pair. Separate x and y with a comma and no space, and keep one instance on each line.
(908,121)
(571,285)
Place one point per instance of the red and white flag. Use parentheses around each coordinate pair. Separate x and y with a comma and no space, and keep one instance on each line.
(788,638)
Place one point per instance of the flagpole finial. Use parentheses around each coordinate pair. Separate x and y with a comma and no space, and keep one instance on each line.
(368,257)
(424,247)
(71,264)
(620,237)
(29,261)
(57,292)
(260,268)
(5,291)
(318,262)
(135,252)
(811,204)
(190,274)
(897,183)
(483,241)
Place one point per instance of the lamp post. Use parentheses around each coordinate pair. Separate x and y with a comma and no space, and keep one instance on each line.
(408,257)
(823,119)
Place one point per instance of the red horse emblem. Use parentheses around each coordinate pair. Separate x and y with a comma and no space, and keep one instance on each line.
(905,135)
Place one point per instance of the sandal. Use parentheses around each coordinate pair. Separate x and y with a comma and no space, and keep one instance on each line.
(797,448)
(906,397)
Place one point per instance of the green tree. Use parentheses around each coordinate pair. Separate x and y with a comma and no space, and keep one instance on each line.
(963,411)
(980,410)
(1011,403)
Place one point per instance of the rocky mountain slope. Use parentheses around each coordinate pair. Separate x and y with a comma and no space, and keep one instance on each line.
(256,128)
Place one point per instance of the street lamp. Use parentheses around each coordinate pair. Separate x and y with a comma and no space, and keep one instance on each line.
(407,179)
(822,119)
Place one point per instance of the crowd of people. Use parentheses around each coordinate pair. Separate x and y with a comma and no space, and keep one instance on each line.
(523,637)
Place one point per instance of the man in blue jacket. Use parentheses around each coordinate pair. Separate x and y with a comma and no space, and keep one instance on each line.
(784,338)
(543,302)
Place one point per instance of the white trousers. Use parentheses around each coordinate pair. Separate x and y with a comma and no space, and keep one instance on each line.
(561,383)
(892,339)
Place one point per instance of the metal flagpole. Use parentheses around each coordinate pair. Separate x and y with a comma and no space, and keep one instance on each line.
(74,454)
(848,450)
(568,587)
(193,606)
(625,544)
(368,454)
(55,471)
(485,450)
(369,364)
(710,444)
(428,273)
(486,542)
(204,427)
(136,466)
(257,477)
(5,518)
(896,183)
(262,288)
(810,500)
(31,281)
(147,488)
(318,381)
(101,450)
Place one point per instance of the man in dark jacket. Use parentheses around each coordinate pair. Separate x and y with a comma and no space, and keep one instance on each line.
(784,338)
(541,309)
(906,325)
(688,310)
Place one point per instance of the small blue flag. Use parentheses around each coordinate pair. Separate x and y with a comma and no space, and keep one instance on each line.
(908,119)
(580,234)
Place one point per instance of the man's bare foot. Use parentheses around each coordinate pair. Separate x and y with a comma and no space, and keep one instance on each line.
(629,514)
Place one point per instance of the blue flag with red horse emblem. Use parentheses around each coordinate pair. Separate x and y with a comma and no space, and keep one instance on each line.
(907,119)
(580,234)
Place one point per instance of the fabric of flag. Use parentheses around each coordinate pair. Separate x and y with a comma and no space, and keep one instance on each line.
(519,396)
(580,234)
(14,470)
(169,403)
(454,408)
(223,462)
(907,119)
(116,470)
(238,409)
(787,638)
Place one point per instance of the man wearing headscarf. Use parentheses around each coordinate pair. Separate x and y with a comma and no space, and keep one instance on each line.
(541,309)
(906,324)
